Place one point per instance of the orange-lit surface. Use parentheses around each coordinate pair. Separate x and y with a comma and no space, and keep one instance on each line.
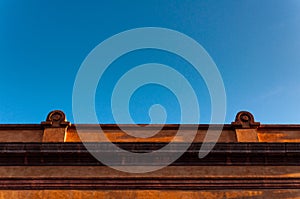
(237,132)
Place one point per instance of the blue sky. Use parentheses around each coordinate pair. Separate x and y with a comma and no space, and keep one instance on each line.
(254,43)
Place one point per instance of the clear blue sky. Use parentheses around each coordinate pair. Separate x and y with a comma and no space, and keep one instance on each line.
(254,43)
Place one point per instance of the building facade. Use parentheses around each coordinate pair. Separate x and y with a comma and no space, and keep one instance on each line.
(49,160)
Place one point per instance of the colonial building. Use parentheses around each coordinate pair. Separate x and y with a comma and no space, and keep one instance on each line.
(48,160)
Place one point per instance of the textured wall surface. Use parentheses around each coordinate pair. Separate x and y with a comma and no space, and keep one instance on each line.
(250,160)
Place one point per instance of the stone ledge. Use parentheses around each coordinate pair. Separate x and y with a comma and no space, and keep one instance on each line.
(72,154)
(144,183)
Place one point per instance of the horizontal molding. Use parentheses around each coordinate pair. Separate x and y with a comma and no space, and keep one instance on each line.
(122,126)
(283,127)
(135,183)
(75,154)
(151,126)
(154,126)
(21,127)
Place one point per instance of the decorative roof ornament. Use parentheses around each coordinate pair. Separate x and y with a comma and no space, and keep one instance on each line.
(56,119)
(245,120)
